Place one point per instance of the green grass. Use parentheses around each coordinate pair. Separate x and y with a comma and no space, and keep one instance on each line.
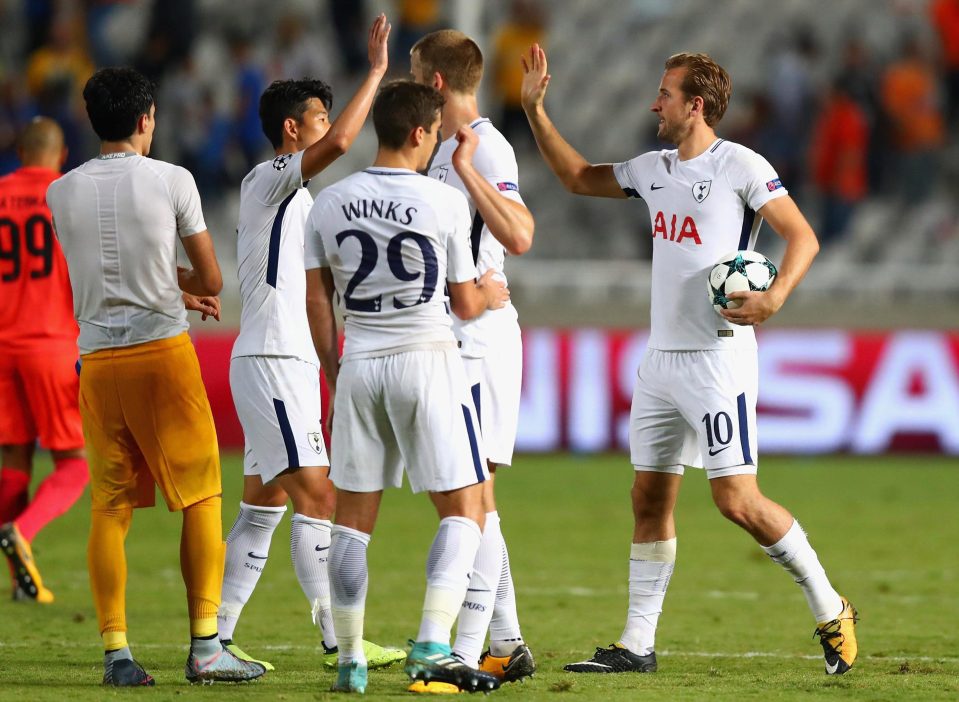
(735,626)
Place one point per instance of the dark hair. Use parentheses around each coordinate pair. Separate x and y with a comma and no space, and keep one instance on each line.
(707,79)
(288,98)
(454,56)
(116,98)
(400,107)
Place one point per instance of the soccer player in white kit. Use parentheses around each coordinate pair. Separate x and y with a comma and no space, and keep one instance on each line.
(387,239)
(484,170)
(694,401)
(274,369)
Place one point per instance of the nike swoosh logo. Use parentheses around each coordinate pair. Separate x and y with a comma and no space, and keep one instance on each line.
(253,555)
(713,453)
(322,548)
(831,669)
(656,187)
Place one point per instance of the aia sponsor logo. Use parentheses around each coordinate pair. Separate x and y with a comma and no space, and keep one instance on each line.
(676,231)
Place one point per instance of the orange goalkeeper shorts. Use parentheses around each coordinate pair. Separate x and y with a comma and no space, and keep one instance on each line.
(147,421)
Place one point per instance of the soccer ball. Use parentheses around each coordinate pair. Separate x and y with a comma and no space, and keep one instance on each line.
(739,270)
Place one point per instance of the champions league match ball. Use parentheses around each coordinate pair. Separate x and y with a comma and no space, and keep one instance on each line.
(736,271)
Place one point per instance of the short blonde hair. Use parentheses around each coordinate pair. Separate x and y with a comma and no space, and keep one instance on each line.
(706,79)
(454,56)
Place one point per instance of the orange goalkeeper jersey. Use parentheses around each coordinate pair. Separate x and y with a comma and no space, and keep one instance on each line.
(36,302)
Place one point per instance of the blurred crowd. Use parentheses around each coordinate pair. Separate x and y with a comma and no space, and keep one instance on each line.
(211,61)
(870,123)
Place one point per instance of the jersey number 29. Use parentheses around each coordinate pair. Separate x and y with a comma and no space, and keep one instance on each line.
(369,254)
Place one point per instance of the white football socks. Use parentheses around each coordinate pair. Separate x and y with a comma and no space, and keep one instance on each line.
(349,579)
(448,570)
(504,631)
(794,553)
(247,549)
(477,609)
(310,541)
(650,568)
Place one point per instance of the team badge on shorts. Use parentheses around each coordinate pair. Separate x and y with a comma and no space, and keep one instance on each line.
(440,173)
(316,441)
(701,189)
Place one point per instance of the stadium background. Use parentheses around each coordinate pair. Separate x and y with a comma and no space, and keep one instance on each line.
(864,357)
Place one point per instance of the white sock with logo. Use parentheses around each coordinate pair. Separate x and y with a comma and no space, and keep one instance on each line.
(504,631)
(448,570)
(349,579)
(650,568)
(794,553)
(477,609)
(310,541)
(247,549)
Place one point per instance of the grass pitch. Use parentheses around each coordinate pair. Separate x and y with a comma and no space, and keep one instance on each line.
(735,627)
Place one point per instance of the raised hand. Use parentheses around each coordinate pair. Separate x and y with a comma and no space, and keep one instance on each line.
(535,78)
(376,45)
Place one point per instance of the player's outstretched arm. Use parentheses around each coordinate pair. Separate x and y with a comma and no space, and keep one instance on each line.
(319,313)
(509,221)
(801,248)
(338,140)
(204,279)
(575,172)
(472,298)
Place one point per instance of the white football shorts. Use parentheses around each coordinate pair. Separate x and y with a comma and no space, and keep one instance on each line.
(409,410)
(278,402)
(495,382)
(695,408)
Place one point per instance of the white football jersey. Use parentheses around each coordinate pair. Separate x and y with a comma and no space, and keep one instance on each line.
(274,206)
(495,161)
(700,209)
(391,238)
(118,217)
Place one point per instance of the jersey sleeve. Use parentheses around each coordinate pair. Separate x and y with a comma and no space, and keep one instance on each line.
(459,251)
(754,179)
(315,251)
(496,162)
(277,179)
(186,204)
(627,174)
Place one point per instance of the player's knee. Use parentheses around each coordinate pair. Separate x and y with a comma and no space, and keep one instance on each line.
(736,508)
(66,454)
(17,456)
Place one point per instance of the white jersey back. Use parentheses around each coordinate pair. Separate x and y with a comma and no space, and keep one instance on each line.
(700,209)
(118,217)
(391,238)
(274,206)
(495,161)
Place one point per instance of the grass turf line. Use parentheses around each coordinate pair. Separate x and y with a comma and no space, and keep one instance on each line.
(734,625)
